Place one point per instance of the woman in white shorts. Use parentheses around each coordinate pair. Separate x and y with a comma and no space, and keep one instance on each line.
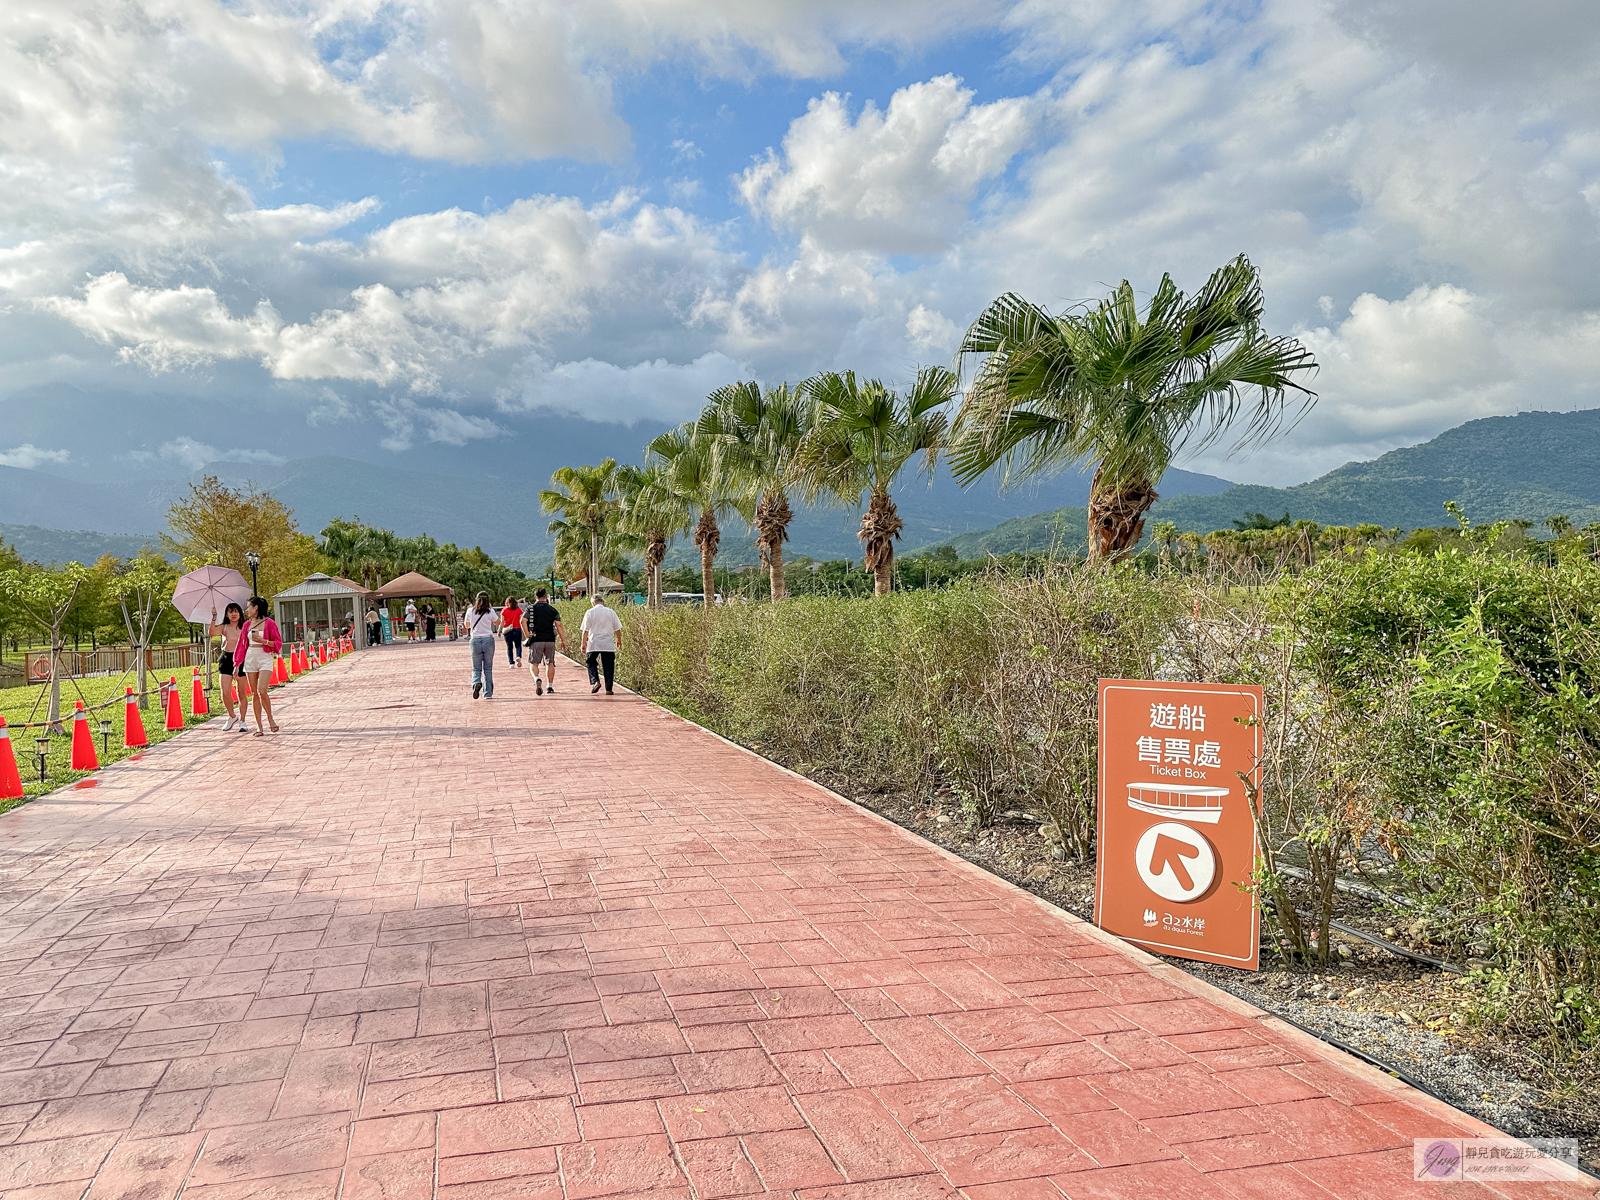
(263,642)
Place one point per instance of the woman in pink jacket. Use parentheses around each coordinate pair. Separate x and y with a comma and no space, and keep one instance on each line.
(263,642)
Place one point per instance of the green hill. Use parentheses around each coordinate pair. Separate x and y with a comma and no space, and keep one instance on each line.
(54,546)
(1064,531)
(1532,465)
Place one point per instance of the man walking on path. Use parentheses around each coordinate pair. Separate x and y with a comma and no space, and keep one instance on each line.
(544,626)
(602,638)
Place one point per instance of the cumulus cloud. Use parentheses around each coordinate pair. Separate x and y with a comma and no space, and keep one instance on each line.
(27,456)
(1422,196)
(895,180)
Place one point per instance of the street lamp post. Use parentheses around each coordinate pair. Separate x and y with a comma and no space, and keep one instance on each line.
(254,560)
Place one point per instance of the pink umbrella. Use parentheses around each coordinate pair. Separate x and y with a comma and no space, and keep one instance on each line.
(206,589)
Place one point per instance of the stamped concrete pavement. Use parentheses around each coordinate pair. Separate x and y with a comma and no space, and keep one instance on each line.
(572,946)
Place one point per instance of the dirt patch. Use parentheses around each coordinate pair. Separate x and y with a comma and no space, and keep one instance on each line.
(1412,1019)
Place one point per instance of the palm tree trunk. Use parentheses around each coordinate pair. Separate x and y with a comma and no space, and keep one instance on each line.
(708,537)
(594,564)
(655,551)
(880,526)
(1116,516)
(772,518)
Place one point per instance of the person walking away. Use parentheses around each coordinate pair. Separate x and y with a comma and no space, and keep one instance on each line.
(411,620)
(482,624)
(374,627)
(602,637)
(230,631)
(511,630)
(544,626)
(262,643)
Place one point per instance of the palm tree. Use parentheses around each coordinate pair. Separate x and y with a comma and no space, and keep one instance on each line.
(1107,387)
(653,515)
(755,435)
(688,475)
(861,435)
(1559,525)
(586,498)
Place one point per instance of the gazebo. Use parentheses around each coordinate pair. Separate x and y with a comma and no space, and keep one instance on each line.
(580,585)
(414,585)
(318,605)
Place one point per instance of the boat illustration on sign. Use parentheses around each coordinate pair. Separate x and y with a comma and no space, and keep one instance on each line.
(1179,802)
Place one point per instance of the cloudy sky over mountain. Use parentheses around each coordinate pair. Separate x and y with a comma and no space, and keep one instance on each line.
(401,230)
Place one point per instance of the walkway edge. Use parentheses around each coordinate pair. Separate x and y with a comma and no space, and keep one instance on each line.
(1313,1046)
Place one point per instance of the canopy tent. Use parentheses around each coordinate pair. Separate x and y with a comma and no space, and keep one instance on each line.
(413,585)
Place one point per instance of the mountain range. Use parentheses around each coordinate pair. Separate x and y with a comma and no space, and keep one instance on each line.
(499,513)
(1530,466)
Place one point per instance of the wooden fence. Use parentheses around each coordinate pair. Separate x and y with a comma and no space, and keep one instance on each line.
(112,660)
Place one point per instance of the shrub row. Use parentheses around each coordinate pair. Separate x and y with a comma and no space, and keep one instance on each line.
(1432,721)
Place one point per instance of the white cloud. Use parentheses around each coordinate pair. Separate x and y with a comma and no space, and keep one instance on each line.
(655,390)
(27,456)
(194,455)
(931,331)
(895,180)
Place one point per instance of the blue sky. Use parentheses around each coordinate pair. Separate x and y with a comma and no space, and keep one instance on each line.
(403,231)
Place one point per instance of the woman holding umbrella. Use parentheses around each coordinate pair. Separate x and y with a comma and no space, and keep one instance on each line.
(230,631)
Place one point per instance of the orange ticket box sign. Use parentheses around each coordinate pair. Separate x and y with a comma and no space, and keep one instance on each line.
(1176,836)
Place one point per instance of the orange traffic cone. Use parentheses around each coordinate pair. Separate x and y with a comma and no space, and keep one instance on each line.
(322,654)
(133,724)
(10,779)
(83,756)
(174,708)
(200,706)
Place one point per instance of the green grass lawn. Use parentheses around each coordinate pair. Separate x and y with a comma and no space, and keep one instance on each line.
(17,703)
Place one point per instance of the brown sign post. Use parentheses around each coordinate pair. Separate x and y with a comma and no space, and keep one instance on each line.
(1175,830)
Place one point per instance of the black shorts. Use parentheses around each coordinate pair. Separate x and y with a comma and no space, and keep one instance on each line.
(411,626)
(225,663)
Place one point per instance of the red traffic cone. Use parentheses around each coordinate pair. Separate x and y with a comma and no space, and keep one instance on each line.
(174,708)
(133,724)
(200,706)
(281,666)
(322,654)
(83,756)
(10,779)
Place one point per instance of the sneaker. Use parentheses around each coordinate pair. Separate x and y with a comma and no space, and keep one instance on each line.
(609,692)
(593,688)
(538,686)
(477,690)
(551,688)
(228,726)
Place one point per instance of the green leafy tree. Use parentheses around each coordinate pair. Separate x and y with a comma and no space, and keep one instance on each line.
(143,591)
(586,499)
(862,434)
(46,596)
(218,524)
(756,434)
(1124,392)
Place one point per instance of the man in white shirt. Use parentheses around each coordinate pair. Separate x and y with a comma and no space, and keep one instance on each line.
(602,638)
(411,620)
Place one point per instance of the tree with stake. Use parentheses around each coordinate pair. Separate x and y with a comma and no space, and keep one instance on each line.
(1122,392)
(47,597)
(652,515)
(142,592)
(861,435)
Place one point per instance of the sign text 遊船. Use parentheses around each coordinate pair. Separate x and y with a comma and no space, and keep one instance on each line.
(1176,838)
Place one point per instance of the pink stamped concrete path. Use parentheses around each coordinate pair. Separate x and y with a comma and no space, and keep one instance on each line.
(571,947)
